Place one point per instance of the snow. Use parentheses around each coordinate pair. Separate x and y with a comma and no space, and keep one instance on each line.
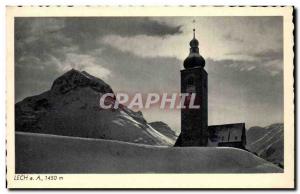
(77,113)
(159,136)
(44,153)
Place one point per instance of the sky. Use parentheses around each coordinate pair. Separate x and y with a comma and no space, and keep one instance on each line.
(244,60)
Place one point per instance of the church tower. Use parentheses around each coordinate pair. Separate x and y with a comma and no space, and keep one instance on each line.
(194,80)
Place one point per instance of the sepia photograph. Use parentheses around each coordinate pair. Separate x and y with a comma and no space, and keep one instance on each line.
(135,93)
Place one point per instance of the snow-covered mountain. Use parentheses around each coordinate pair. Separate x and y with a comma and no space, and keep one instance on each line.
(267,142)
(164,129)
(71,108)
(87,155)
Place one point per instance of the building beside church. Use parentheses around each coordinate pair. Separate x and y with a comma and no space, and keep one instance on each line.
(194,122)
(227,135)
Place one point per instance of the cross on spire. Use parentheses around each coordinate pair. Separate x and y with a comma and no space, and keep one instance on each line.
(194,28)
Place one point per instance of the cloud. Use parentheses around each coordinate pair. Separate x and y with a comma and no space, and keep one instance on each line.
(52,45)
(143,45)
(85,31)
(265,55)
(230,37)
(268,60)
(251,68)
(269,55)
(43,37)
(84,63)
(124,26)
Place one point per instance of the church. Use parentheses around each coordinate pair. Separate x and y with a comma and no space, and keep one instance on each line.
(194,122)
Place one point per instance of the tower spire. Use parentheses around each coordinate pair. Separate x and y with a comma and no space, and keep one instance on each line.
(194,59)
(194,28)
(194,33)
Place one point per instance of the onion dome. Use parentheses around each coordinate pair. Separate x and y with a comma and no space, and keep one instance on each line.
(194,59)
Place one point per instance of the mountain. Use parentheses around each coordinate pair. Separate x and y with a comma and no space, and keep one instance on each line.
(71,108)
(267,142)
(255,133)
(164,129)
(86,155)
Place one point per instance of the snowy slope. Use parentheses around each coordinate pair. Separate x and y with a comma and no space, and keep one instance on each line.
(44,153)
(267,142)
(164,129)
(254,133)
(71,108)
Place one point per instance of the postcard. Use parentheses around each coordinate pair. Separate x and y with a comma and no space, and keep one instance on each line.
(187,97)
